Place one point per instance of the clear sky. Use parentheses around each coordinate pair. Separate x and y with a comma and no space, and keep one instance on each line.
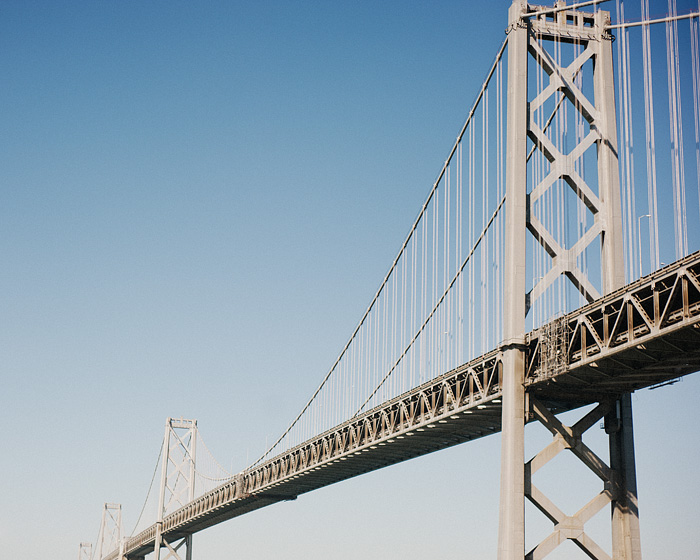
(197,202)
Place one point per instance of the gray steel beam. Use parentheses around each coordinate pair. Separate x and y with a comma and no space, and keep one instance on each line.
(625,511)
(511,528)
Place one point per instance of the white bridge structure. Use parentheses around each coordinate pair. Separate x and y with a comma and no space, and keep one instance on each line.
(531,283)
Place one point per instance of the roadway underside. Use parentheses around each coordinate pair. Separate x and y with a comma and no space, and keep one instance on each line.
(630,369)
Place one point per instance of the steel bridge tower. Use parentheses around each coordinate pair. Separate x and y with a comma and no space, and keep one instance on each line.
(531,29)
(110,531)
(85,552)
(177,482)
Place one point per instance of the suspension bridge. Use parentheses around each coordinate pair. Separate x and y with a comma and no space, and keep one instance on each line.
(527,286)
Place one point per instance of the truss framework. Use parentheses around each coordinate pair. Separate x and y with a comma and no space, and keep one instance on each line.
(465,403)
(467,394)
(570,438)
(587,29)
(629,320)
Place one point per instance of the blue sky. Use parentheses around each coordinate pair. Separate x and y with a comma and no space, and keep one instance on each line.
(197,202)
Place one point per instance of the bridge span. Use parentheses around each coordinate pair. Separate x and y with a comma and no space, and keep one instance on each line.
(644,334)
(532,226)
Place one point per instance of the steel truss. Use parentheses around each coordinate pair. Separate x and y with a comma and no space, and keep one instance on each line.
(644,334)
(570,438)
(609,348)
(465,403)
(456,407)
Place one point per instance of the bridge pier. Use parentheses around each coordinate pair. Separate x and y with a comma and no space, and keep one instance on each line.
(619,487)
(625,508)
(172,548)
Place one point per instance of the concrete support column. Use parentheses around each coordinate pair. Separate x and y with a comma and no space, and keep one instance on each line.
(511,529)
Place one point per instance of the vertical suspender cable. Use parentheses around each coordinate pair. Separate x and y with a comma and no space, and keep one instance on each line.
(676,132)
(650,142)
(402,332)
(424,266)
(414,253)
(394,334)
(629,219)
(433,285)
(445,261)
(459,301)
(472,228)
(484,200)
(562,213)
(696,93)
(482,324)
(580,168)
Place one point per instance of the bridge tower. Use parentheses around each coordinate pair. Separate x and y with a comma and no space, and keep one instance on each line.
(85,552)
(176,483)
(534,32)
(110,536)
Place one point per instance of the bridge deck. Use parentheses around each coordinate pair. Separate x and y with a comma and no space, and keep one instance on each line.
(644,334)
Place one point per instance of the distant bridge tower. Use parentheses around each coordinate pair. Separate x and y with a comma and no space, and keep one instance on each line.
(176,483)
(85,552)
(110,536)
(539,81)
